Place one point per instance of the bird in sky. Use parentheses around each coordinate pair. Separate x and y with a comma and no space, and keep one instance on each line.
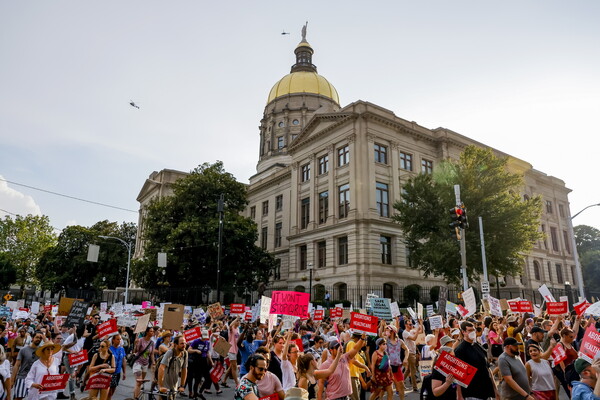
(285,33)
(132,104)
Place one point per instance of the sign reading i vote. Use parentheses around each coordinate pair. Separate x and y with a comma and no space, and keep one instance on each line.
(289,303)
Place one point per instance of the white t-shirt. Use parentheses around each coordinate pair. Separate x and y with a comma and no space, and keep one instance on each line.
(77,346)
(5,372)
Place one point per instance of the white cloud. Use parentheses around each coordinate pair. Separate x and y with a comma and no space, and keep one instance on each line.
(15,202)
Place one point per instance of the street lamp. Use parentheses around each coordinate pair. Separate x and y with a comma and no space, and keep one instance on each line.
(568,292)
(310,271)
(575,253)
(128,245)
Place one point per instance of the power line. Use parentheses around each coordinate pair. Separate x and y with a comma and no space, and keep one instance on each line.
(67,196)
(8,212)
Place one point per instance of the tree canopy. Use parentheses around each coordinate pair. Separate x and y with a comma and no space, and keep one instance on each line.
(186,225)
(588,247)
(488,189)
(23,240)
(65,264)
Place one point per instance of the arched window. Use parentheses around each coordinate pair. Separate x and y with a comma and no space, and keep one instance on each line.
(300,288)
(318,292)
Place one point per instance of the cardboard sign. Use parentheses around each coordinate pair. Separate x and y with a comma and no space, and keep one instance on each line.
(54,383)
(152,312)
(77,314)
(99,381)
(142,323)
(558,354)
(107,328)
(215,311)
(435,322)
(381,308)
(590,344)
(581,307)
(289,303)
(557,307)
(364,323)
(425,367)
(221,346)
(65,304)
(237,309)
(173,316)
(192,334)
(448,364)
(78,358)
(318,315)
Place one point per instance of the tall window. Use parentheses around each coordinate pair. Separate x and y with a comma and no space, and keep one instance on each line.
(380,153)
(343,250)
(304,212)
(548,207)
(426,166)
(264,236)
(302,257)
(280,142)
(554,238)
(386,249)
(253,212)
(561,210)
(382,198)
(559,273)
(323,164)
(279,203)
(344,203)
(549,271)
(406,161)
(322,254)
(573,274)
(323,206)
(265,207)
(567,244)
(305,172)
(278,228)
(343,155)
(536,271)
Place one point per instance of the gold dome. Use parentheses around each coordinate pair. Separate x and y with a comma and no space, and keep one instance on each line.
(303,82)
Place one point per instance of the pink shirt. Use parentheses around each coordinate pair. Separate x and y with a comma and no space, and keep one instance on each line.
(269,384)
(494,338)
(338,383)
(234,335)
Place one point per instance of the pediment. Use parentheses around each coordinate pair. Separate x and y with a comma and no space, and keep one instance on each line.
(319,125)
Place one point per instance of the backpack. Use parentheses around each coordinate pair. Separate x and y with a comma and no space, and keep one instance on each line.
(159,360)
(426,389)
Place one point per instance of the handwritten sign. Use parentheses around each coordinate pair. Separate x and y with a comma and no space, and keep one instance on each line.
(192,334)
(462,372)
(590,344)
(215,311)
(289,303)
(54,383)
(99,381)
(470,301)
(76,314)
(381,308)
(265,306)
(363,322)
(78,358)
(435,322)
(495,308)
(557,307)
(107,328)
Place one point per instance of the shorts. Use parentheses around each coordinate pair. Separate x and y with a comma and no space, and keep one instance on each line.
(232,356)
(116,378)
(138,368)
(397,373)
(19,390)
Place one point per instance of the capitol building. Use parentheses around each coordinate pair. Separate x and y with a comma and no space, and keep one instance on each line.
(326,181)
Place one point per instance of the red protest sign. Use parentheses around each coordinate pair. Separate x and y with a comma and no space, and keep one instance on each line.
(525,306)
(581,307)
(462,372)
(237,309)
(248,316)
(318,315)
(289,303)
(78,358)
(299,344)
(513,305)
(461,310)
(52,383)
(559,354)
(192,334)
(590,344)
(364,322)
(107,328)
(217,372)
(557,307)
(48,308)
(273,396)
(99,381)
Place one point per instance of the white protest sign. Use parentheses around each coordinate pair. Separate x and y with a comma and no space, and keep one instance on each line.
(450,307)
(103,306)
(21,303)
(420,310)
(411,312)
(288,321)
(495,308)
(430,310)
(265,306)
(368,300)
(470,301)
(117,308)
(127,320)
(545,292)
(594,309)
(11,304)
(35,307)
(395,309)
(272,321)
(436,322)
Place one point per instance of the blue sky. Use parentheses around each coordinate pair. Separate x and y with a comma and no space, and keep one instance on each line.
(519,76)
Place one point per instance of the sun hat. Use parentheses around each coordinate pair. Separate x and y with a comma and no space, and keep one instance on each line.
(55,348)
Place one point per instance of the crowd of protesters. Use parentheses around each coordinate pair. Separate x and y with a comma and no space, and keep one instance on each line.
(324,360)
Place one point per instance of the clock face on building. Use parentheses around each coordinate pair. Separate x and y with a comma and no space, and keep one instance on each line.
(281,124)
(295,122)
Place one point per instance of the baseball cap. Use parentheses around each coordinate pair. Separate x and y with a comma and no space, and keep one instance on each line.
(509,341)
(537,329)
(581,364)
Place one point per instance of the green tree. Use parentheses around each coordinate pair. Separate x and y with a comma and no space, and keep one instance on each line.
(186,225)
(588,247)
(488,190)
(24,240)
(8,272)
(65,264)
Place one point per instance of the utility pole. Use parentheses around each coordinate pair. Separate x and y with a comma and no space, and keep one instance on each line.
(485,284)
(220,209)
(463,243)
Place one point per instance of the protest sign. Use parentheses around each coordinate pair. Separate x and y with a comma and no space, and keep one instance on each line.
(557,307)
(590,344)
(368,300)
(495,308)
(142,323)
(558,354)
(581,307)
(545,292)
(64,306)
(47,308)
(221,346)
(525,306)
(429,309)
(470,301)
(412,313)
(443,296)
(419,311)
(395,310)
(235,309)
(364,323)
(513,305)
(76,314)
(272,396)
(78,358)
(450,307)
(448,364)
(248,316)
(265,306)
(192,334)
(289,303)
(98,381)
(425,367)
(107,328)
(127,320)
(172,316)
(217,372)
(299,344)
(318,315)
(436,322)
(381,308)
(54,383)
(462,310)
(215,311)
(35,307)
(594,309)
(288,321)
(103,306)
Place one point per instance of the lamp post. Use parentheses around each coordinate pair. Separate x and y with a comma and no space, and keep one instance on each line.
(310,271)
(568,293)
(220,209)
(128,245)
(575,253)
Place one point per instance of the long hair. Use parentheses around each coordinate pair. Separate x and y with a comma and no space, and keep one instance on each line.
(303,363)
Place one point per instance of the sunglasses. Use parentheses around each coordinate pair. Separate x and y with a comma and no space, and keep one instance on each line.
(261,369)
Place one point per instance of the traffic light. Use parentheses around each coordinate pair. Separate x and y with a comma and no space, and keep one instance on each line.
(464,223)
(455,215)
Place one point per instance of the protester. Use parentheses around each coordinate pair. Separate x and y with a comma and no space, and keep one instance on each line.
(381,371)
(515,384)
(25,359)
(338,383)
(142,350)
(588,387)
(103,362)
(563,370)
(172,371)
(395,345)
(539,372)
(5,385)
(118,353)
(46,364)
(247,388)
(232,371)
(308,374)
(269,384)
